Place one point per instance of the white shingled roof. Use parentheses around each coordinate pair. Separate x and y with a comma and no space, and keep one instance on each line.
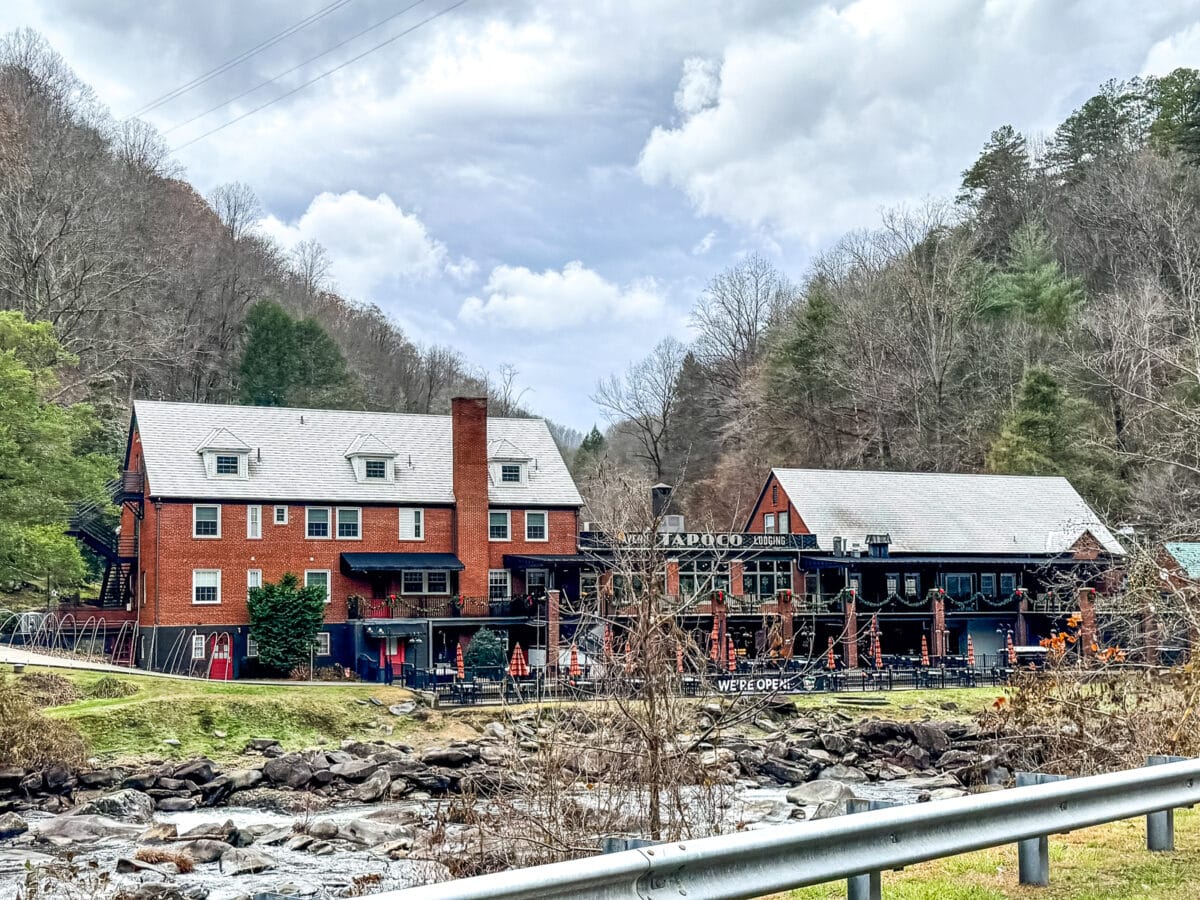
(937,513)
(294,460)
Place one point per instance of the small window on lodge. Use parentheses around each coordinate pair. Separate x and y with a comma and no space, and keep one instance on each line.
(510,473)
(1008,584)
(281,515)
(206,521)
(498,526)
(227,465)
(197,646)
(893,585)
(251,648)
(535,526)
(910,586)
(768,523)
(349,523)
(318,578)
(498,584)
(318,522)
(376,469)
(323,643)
(987,585)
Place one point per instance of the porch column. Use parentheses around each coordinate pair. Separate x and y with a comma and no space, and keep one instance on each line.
(1022,624)
(552,624)
(850,633)
(720,611)
(784,604)
(939,623)
(1087,620)
(737,571)
(672,578)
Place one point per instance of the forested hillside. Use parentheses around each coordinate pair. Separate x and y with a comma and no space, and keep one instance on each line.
(150,285)
(1046,320)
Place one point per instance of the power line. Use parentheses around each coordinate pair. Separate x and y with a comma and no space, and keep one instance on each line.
(324,74)
(272,80)
(245,55)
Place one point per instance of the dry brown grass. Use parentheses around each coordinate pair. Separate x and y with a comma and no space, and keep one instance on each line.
(157,856)
(30,739)
(47,689)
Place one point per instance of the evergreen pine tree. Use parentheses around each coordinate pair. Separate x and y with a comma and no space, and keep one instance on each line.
(284,621)
(1033,285)
(589,453)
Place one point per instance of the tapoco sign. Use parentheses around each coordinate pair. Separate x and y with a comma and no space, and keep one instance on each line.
(700,540)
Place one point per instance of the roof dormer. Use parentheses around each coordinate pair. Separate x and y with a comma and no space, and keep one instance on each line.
(372,460)
(225,455)
(508,464)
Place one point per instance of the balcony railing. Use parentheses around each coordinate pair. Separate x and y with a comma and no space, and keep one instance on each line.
(1054,603)
(439,607)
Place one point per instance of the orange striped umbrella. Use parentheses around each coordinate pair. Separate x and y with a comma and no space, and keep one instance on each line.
(925,650)
(970,653)
(574,671)
(679,659)
(1012,651)
(715,641)
(458,662)
(732,655)
(608,641)
(518,667)
(830,661)
(878,653)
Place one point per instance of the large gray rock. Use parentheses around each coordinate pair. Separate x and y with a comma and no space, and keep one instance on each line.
(787,772)
(843,773)
(11,825)
(204,850)
(199,771)
(834,743)
(820,792)
(241,861)
(292,770)
(176,804)
(451,757)
(374,787)
(369,834)
(403,709)
(356,770)
(126,805)
(930,737)
(495,730)
(73,828)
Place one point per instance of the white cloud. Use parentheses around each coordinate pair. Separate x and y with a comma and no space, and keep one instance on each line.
(698,88)
(704,244)
(519,298)
(1180,49)
(372,242)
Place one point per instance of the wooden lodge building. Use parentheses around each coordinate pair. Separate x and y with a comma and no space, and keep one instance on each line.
(422,529)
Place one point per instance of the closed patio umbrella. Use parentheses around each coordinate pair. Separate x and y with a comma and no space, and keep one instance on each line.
(830,660)
(1012,651)
(574,671)
(458,662)
(878,653)
(678,659)
(518,666)
(970,653)
(608,642)
(715,641)
(925,650)
(732,655)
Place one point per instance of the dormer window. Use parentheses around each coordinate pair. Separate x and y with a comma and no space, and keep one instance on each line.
(376,469)
(227,465)
(510,473)
(371,459)
(225,455)
(508,464)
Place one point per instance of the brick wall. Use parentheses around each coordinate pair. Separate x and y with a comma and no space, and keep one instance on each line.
(469,430)
(775,500)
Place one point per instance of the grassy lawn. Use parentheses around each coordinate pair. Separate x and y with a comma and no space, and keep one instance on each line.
(945,703)
(193,711)
(1105,863)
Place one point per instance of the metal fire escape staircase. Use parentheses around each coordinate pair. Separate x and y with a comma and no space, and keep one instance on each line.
(92,526)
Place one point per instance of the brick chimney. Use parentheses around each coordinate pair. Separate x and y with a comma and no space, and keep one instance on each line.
(469,438)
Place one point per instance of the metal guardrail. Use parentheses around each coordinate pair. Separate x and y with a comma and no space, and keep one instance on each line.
(756,863)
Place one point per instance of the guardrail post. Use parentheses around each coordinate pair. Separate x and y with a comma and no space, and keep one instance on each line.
(1033,855)
(1160,826)
(870,885)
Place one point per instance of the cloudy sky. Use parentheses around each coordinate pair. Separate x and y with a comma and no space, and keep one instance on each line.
(551,184)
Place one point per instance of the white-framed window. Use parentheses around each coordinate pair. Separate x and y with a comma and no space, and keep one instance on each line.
(206,521)
(316,522)
(206,587)
(957,584)
(421,581)
(785,526)
(412,524)
(536,528)
(349,523)
(768,523)
(253,580)
(892,582)
(375,469)
(499,584)
(254,522)
(499,525)
(537,582)
(987,584)
(281,515)
(323,643)
(1008,584)
(912,586)
(228,465)
(510,473)
(198,650)
(318,578)
(251,647)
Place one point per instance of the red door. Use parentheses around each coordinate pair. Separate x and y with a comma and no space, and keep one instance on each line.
(220,667)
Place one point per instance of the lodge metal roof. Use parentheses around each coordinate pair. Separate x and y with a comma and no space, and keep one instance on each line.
(300,455)
(937,513)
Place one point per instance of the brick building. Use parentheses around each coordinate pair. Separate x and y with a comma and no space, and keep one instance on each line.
(420,529)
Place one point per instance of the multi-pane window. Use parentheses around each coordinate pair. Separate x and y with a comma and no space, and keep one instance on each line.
(198,646)
(253,580)
(206,521)
(251,647)
(317,521)
(253,522)
(535,526)
(892,584)
(958,585)
(912,586)
(498,525)
(700,577)
(510,473)
(589,585)
(322,643)
(281,513)
(206,586)
(766,577)
(499,584)
(768,523)
(854,582)
(376,469)
(1008,584)
(412,524)
(349,523)
(537,581)
(785,526)
(227,465)
(987,585)
(318,578)
(418,581)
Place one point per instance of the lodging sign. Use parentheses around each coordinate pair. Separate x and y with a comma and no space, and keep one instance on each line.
(708,540)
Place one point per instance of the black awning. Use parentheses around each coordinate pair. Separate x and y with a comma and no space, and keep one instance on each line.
(948,560)
(541,561)
(358,563)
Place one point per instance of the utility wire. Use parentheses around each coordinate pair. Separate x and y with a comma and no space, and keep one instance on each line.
(263,84)
(242,57)
(324,74)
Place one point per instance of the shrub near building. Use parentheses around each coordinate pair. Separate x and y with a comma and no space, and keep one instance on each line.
(284,621)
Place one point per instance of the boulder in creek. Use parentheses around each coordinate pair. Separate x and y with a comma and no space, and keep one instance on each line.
(176,804)
(843,773)
(323,829)
(126,805)
(291,770)
(226,832)
(73,828)
(200,771)
(127,865)
(946,793)
(11,825)
(374,787)
(786,772)
(101,778)
(204,850)
(835,743)
(159,833)
(817,792)
(240,861)
(369,834)
(930,737)
(450,757)
(356,770)
(879,730)
(495,730)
